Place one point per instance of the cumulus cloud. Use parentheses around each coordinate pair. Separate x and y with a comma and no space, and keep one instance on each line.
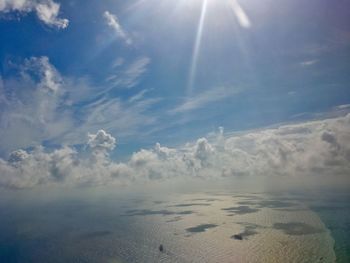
(203,149)
(315,148)
(113,22)
(46,10)
(66,165)
(18,156)
(101,141)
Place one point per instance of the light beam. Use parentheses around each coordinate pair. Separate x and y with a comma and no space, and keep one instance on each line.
(196,49)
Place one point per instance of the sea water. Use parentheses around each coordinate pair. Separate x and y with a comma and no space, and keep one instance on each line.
(192,227)
(334,211)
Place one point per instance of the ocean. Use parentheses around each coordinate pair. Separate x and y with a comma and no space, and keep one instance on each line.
(334,210)
(210,226)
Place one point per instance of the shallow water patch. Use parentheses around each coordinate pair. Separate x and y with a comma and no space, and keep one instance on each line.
(297,228)
(146,212)
(200,228)
(190,204)
(240,210)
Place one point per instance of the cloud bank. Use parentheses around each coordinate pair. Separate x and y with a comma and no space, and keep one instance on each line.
(315,148)
(46,10)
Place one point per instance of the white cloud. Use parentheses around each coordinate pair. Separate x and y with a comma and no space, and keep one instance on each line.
(46,10)
(101,141)
(204,98)
(33,107)
(63,166)
(315,148)
(308,63)
(118,117)
(113,21)
(38,104)
(138,96)
(203,149)
(131,75)
(343,107)
(118,62)
(135,70)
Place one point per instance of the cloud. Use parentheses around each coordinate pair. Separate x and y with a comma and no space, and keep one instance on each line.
(46,10)
(119,117)
(309,62)
(101,141)
(118,62)
(18,156)
(315,148)
(38,104)
(113,22)
(131,75)
(33,105)
(204,98)
(63,166)
(203,149)
(138,96)
(343,107)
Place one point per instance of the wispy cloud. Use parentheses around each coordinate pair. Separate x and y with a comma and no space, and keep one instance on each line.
(46,10)
(202,99)
(343,107)
(130,76)
(334,41)
(307,63)
(113,21)
(118,62)
(35,109)
(118,117)
(138,96)
(38,104)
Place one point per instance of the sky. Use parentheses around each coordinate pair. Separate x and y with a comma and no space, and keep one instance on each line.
(99,91)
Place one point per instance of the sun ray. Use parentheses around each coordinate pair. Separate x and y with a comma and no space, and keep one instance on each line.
(194,61)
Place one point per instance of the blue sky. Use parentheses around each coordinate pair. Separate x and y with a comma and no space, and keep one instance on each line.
(166,71)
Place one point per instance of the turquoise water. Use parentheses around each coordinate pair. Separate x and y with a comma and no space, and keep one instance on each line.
(334,211)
